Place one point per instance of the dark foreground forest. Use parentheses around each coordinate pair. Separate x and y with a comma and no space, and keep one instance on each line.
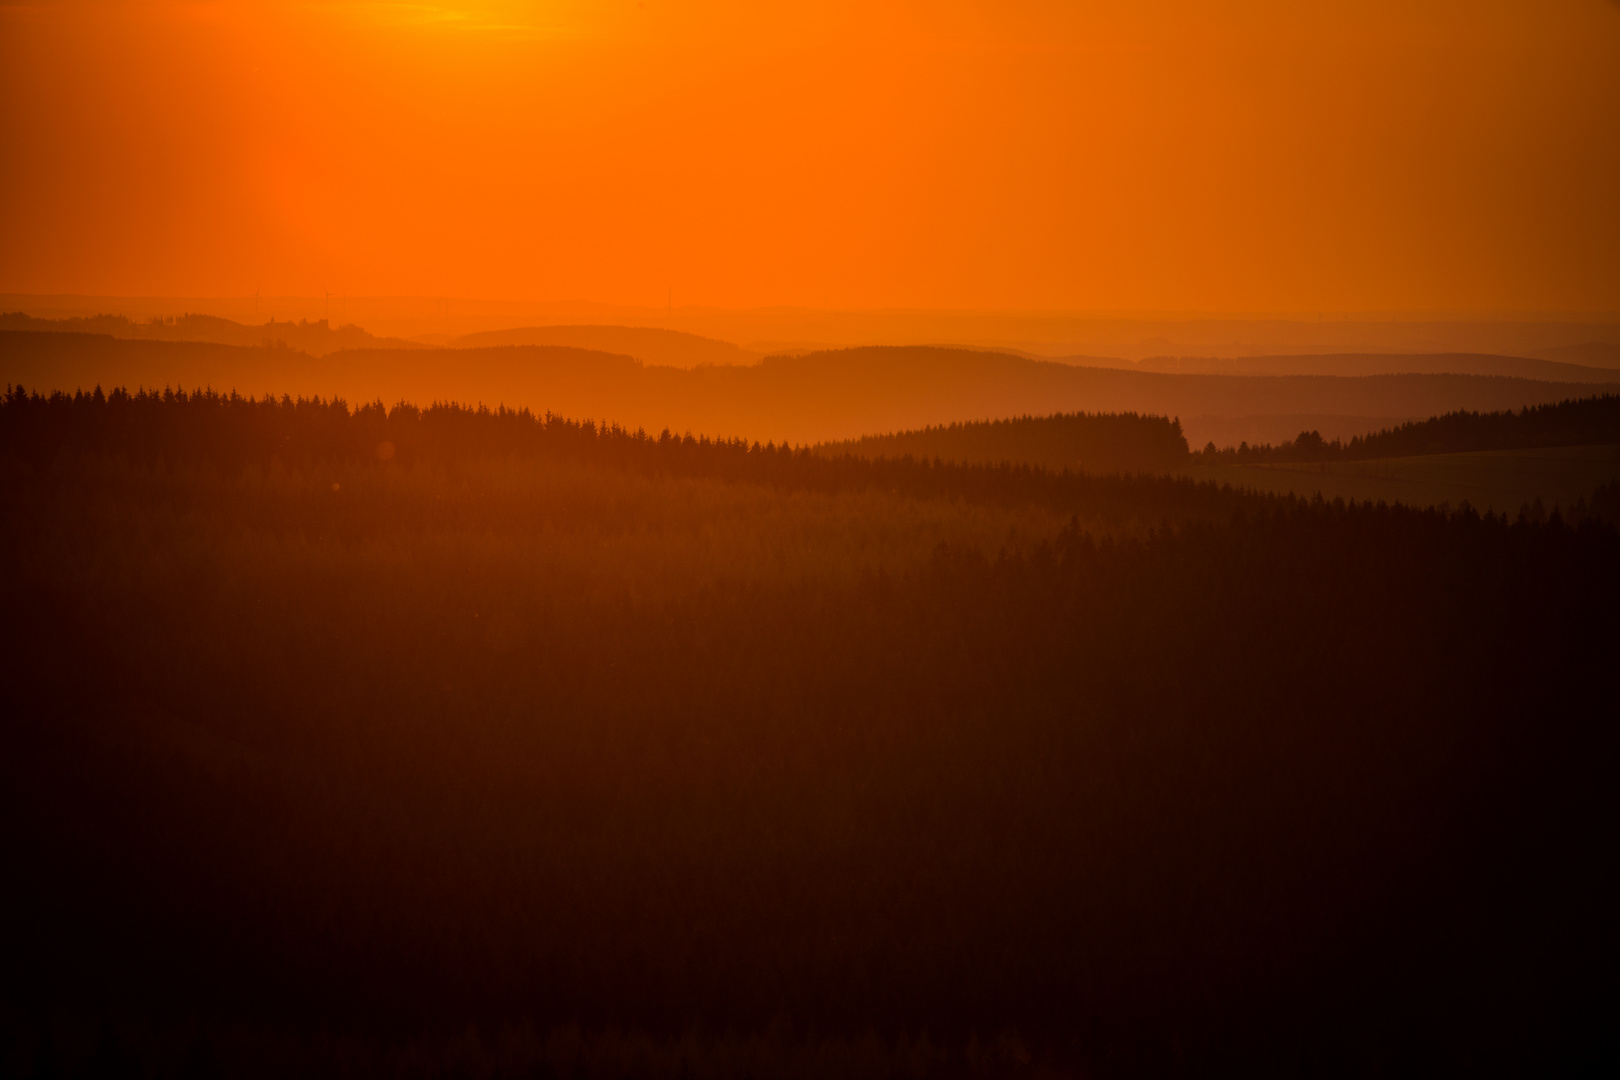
(448,743)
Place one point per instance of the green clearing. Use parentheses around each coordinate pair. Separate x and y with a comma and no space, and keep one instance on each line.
(1498,480)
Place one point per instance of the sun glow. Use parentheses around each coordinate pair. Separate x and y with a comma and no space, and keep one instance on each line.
(510,20)
(1032,155)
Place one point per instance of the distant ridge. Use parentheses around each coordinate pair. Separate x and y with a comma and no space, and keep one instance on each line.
(650,345)
(1604,354)
(817,397)
(1357,364)
(316,338)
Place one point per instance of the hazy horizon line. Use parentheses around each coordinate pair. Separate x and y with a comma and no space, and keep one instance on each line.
(1091,314)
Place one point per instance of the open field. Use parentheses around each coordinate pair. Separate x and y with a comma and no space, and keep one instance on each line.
(1498,480)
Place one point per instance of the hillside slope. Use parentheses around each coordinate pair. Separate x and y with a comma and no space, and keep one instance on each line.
(1093,442)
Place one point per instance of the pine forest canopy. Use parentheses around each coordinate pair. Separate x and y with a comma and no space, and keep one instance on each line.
(1090,442)
(1592,421)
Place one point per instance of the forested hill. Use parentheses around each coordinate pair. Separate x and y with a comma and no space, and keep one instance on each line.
(815,397)
(1590,421)
(1092,442)
(451,742)
(231,432)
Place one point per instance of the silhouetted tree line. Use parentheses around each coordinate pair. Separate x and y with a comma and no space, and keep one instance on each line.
(1093,442)
(231,431)
(1304,787)
(1593,421)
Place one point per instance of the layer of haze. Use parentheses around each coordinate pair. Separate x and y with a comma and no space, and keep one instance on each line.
(1028,155)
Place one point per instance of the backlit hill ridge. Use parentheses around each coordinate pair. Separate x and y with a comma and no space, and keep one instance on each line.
(822,396)
(317,337)
(649,344)
(1381,363)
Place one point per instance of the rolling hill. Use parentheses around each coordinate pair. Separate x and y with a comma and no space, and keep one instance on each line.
(816,397)
(1499,481)
(1093,442)
(1604,354)
(1354,364)
(650,345)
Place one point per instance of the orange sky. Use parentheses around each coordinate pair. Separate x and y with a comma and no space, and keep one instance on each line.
(1020,155)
